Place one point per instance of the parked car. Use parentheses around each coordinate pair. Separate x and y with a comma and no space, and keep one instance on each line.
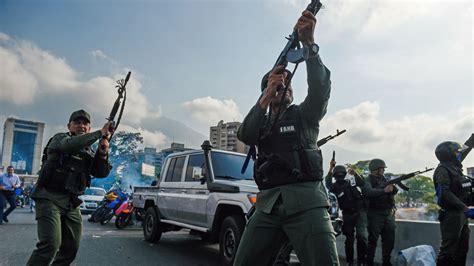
(201,190)
(91,198)
(204,191)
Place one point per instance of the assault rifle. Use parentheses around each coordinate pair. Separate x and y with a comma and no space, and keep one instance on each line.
(398,180)
(122,94)
(293,52)
(323,141)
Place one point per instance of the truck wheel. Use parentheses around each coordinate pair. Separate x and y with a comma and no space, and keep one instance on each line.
(229,238)
(151,225)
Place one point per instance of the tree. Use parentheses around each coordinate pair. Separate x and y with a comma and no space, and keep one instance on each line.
(123,156)
(418,186)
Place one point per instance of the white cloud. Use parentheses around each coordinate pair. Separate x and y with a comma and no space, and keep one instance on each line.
(4,37)
(98,54)
(153,138)
(31,75)
(17,85)
(406,143)
(52,73)
(209,111)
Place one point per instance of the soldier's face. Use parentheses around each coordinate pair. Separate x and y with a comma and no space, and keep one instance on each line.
(288,97)
(380,171)
(79,126)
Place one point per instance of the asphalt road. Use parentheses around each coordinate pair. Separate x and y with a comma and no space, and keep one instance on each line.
(107,245)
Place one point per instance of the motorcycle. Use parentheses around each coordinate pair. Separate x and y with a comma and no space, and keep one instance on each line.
(107,207)
(124,215)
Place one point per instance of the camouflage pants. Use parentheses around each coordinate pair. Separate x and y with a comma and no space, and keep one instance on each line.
(59,234)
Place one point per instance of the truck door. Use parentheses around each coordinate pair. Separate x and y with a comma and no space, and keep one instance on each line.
(192,204)
(170,188)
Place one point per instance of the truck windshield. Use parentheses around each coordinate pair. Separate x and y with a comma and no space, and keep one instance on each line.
(228,166)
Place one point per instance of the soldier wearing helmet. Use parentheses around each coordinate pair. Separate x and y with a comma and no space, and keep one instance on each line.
(354,209)
(381,212)
(454,192)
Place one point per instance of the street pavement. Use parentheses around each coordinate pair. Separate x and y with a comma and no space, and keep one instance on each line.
(107,245)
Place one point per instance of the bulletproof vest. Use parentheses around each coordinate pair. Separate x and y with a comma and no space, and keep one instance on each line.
(66,172)
(382,202)
(349,197)
(283,157)
(460,185)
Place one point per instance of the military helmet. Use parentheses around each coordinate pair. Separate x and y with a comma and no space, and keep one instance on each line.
(339,171)
(446,151)
(376,164)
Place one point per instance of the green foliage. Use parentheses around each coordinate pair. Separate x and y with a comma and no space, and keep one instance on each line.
(421,191)
(361,167)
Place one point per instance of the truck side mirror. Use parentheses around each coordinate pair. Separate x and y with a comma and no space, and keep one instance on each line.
(198,174)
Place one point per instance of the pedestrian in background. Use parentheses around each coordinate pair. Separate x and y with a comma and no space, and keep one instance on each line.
(9,183)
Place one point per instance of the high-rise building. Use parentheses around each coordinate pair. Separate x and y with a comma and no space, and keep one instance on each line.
(224,137)
(175,147)
(21,147)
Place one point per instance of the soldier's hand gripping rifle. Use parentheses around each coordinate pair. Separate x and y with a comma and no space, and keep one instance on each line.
(323,141)
(122,94)
(398,180)
(293,53)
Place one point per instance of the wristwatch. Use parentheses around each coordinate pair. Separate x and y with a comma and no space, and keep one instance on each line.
(313,49)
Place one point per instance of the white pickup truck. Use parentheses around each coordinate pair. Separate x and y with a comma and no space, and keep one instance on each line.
(204,191)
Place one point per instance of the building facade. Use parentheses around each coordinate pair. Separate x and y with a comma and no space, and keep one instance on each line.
(224,137)
(21,147)
(470,171)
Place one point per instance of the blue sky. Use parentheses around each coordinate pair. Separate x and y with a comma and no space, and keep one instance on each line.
(401,70)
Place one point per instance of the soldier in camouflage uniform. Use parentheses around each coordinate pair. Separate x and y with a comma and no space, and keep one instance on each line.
(68,163)
(454,192)
(292,202)
(381,212)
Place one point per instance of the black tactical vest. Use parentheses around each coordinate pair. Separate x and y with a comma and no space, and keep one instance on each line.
(66,172)
(460,186)
(349,197)
(282,156)
(382,202)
